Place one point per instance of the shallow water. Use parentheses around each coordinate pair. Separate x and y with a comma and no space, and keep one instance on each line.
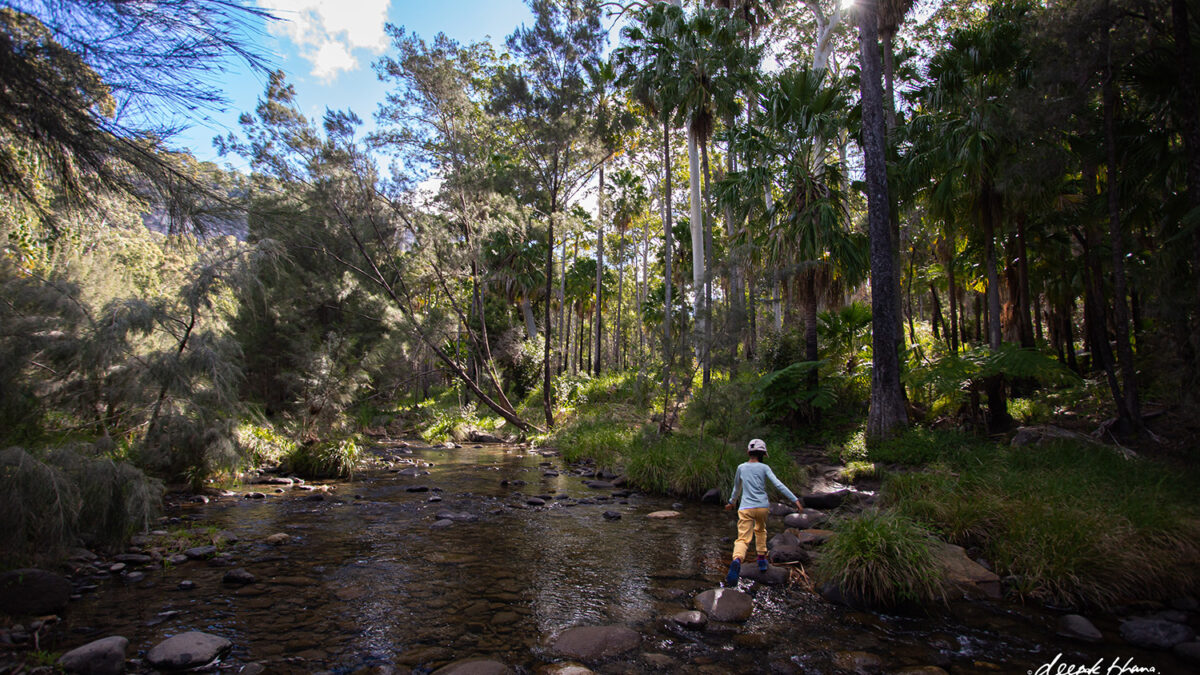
(366,583)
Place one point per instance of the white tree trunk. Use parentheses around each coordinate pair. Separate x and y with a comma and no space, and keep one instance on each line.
(826,26)
(697,230)
(530,323)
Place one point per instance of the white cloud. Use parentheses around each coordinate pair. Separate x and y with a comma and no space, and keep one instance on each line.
(327,32)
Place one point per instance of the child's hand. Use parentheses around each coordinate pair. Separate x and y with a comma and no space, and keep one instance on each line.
(729,507)
(799,506)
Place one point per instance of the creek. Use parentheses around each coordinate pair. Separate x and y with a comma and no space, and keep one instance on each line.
(367,583)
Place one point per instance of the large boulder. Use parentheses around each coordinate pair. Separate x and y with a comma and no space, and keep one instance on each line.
(712,496)
(725,604)
(663,515)
(474,667)
(100,657)
(973,578)
(1155,633)
(33,592)
(187,650)
(593,643)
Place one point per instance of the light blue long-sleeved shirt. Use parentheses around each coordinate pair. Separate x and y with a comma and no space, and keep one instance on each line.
(751,480)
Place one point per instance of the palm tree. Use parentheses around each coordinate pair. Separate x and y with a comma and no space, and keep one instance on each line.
(629,201)
(802,112)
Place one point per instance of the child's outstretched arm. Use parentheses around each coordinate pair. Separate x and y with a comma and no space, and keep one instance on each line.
(784,489)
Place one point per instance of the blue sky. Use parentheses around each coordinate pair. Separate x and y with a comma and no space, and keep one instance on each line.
(327,47)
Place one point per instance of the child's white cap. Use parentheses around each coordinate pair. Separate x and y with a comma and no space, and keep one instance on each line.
(757,445)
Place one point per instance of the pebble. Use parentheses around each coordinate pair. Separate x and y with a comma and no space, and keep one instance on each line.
(610,515)
(186,585)
(1078,627)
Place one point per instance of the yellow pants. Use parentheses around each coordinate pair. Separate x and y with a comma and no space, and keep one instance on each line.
(751,521)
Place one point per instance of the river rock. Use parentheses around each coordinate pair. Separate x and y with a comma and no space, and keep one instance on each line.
(117,568)
(826,500)
(1078,627)
(592,643)
(484,437)
(474,667)
(278,539)
(814,537)
(411,472)
(713,496)
(274,480)
(1173,615)
(1188,651)
(200,552)
(187,650)
(33,591)
(663,515)
(857,662)
(535,501)
(611,515)
(417,488)
(100,657)
(781,510)
(134,559)
(808,518)
(920,670)
(254,495)
(598,484)
(725,604)
(238,577)
(1155,633)
(691,619)
(441,524)
(133,577)
(965,573)
(773,576)
(176,559)
(186,585)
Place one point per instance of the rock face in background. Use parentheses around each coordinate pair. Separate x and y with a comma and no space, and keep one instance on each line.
(33,592)
(187,650)
(593,643)
(100,657)
(725,604)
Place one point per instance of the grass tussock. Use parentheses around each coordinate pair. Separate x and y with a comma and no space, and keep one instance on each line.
(1071,524)
(336,458)
(882,558)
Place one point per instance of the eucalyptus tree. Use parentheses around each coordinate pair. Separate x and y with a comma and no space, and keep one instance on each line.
(544,96)
(887,413)
(713,66)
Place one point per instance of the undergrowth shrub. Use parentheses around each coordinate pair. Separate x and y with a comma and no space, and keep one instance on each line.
(335,458)
(883,559)
(62,498)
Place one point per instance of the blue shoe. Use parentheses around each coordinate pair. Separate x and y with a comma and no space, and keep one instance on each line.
(762,563)
(735,571)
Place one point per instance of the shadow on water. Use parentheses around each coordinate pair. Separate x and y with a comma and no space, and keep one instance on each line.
(367,580)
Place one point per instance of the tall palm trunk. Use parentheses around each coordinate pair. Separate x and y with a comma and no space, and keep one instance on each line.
(994,385)
(599,277)
(1132,409)
(667,345)
(697,231)
(708,269)
(620,346)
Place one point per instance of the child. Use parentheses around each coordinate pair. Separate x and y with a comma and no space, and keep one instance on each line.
(751,480)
